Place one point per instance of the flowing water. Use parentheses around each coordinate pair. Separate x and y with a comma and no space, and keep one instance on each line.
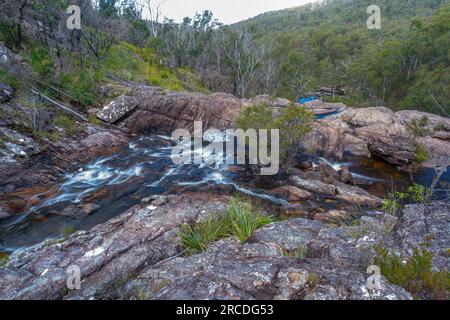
(145,168)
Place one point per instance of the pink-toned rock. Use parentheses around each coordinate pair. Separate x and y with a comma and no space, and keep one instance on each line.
(292,193)
(155,110)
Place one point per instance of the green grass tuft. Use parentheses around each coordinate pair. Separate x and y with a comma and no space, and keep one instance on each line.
(4,258)
(196,238)
(94,120)
(240,220)
(419,126)
(66,231)
(243,219)
(64,122)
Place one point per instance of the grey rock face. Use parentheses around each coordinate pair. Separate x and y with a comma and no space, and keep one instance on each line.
(106,254)
(314,185)
(336,189)
(380,132)
(117,109)
(426,224)
(137,256)
(6,93)
(18,144)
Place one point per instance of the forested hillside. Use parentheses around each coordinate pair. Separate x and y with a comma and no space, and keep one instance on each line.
(290,53)
(403,65)
(293,52)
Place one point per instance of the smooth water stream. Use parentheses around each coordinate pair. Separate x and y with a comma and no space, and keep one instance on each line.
(145,168)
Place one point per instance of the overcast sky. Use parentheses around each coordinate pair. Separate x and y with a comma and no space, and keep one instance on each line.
(227,11)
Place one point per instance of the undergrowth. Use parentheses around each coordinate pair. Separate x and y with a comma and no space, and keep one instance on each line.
(414,274)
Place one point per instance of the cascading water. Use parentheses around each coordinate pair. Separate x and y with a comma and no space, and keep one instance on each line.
(145,168)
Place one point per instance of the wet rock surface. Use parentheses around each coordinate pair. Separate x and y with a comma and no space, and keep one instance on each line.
(382,133)
(137,256)
(44,167)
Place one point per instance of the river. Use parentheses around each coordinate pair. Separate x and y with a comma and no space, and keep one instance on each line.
(144,168)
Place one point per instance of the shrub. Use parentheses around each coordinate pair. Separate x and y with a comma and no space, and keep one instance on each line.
(256,117)
(419,126)
(4,258)
(294,122)
(66,231)
(440,127)
(421,154)
(390,205)
(415,193)
(415,275)
(41,60)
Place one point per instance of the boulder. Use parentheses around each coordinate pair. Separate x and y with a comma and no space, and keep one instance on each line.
(327,173)
(18,143)
(368,116)
(117,109)
(155,110)
(313,185)
(345,176)
(355,195)
(379,132)
(292,193)
(79,211)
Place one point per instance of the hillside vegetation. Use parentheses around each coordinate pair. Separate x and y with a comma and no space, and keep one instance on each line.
(403,65)
(72,66)
(290,53)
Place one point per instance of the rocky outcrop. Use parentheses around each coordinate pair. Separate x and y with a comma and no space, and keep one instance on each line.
(320,107)
(107,254)
(324,180)
(380,132)
(292,193)
(151,109)
(137,256)
(22,183)
(117,109)
(428,225)
(268,100)
(155,110)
